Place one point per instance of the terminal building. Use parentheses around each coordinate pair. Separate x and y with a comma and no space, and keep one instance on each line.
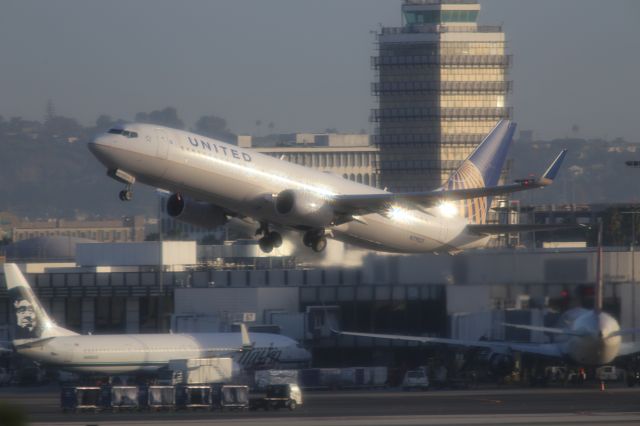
(161,286)
(441,86)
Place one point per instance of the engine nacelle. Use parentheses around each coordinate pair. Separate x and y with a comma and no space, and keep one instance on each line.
(195,213)
(501,364)
(303,208)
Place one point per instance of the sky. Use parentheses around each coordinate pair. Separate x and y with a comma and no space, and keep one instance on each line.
(303,65)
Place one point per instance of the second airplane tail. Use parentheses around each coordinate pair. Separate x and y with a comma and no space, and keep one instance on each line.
(31,321)
(482,169)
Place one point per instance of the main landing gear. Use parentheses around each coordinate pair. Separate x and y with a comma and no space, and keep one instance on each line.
(269,240)
(315,239)
(126,194)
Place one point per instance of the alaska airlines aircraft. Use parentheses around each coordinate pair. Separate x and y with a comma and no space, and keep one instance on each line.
(213,181)
(587,337)
(39,338)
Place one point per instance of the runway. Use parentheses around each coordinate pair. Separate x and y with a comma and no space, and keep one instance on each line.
(507,406)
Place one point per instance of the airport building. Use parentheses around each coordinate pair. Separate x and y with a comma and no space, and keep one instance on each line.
(120,230)
(441,86)
(154,286)
(348,155)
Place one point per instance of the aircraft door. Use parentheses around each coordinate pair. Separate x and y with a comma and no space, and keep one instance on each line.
(163,141)
(162,145)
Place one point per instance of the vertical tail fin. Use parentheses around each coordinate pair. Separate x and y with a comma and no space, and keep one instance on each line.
(31,321)
(482,169)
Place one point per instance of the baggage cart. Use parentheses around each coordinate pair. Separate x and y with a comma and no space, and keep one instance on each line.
(160,398)
(193,396)
(124,398)
(81,398)
(233,397)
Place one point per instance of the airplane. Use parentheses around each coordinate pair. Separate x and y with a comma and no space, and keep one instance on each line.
(586,337)
(213,182)
(39,338)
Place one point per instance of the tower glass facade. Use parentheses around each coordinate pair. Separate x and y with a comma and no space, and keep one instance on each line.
(442,86)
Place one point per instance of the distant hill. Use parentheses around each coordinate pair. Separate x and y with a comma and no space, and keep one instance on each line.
(594,171)
(42,174)
(55,178)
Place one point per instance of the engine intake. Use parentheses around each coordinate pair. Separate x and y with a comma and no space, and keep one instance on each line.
(195,213)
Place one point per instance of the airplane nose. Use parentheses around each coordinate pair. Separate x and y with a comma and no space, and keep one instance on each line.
(101,149)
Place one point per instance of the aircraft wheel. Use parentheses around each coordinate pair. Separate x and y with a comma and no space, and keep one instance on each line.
(319,245)
(308,238)
(275,238)
(126,195)
(265,244)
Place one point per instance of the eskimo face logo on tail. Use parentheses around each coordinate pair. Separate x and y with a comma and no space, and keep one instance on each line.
(28,322)
(468,176)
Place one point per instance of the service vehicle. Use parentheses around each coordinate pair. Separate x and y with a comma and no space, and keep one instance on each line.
(415,379)
(278,396)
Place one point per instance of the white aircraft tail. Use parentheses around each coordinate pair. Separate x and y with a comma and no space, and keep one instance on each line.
(31,321)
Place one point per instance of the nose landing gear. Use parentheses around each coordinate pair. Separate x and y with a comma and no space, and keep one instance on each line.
(126,194)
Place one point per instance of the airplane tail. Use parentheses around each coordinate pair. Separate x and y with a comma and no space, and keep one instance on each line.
(482,169)
(31,321)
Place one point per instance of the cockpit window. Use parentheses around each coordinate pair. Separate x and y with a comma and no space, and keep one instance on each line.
(125,133)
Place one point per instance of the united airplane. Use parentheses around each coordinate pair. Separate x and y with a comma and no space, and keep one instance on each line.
(37,336)
(213,182)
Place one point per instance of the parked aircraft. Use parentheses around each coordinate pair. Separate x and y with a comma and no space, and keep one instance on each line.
(587,337)
(213,181)
(38,337)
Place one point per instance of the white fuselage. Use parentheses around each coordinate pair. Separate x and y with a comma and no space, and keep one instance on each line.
(244,181)
(594,345)
(126,353)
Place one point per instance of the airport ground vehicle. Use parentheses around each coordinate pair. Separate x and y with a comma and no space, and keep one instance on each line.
(609,373)
(415,379)
(278,396)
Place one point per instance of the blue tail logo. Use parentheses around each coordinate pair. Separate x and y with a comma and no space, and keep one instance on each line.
(482,170)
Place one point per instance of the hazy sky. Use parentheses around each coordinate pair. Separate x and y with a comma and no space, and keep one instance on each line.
(305,65)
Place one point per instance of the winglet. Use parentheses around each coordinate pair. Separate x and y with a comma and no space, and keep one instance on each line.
(246,343)
(550,174)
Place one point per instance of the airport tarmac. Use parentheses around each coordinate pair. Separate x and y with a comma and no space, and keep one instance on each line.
(350,408)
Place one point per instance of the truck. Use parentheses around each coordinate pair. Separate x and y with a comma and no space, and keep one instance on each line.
(415,379)
(278,396)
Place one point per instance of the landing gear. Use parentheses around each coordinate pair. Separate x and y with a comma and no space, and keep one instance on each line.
(269,240)
(315,239)
(126,195)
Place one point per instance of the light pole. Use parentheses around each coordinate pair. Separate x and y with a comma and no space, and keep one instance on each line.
(633,269)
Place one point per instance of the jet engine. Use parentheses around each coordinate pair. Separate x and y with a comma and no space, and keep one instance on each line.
(195,213)
(303,208)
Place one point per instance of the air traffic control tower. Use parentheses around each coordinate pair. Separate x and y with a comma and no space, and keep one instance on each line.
(441,86)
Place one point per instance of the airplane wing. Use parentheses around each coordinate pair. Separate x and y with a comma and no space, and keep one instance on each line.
(357,204)
(501,229)
(551,330)
(629,348)
(546,349)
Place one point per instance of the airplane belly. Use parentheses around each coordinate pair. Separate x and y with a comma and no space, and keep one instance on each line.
(382,234)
